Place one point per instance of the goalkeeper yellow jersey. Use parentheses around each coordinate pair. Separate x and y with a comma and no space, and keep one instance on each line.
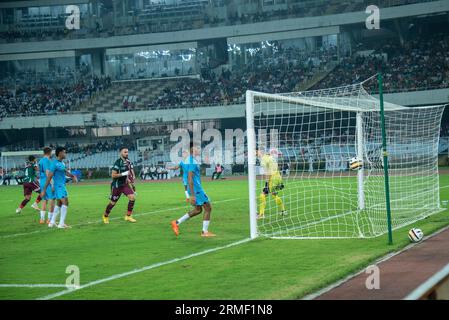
(269,164)
(271,169)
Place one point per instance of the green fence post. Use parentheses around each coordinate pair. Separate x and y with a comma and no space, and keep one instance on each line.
(385,157)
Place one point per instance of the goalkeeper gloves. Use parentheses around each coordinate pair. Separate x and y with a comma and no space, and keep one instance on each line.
(279,187)
(266,189)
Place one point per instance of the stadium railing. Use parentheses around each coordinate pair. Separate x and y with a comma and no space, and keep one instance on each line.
(435,288)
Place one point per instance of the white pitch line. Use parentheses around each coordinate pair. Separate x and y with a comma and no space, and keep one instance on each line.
(100,221)
(152,266)
(40,285)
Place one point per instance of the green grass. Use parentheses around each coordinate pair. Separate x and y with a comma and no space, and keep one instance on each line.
(262,269)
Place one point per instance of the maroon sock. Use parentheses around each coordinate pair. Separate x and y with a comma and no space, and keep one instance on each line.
(38,199)
(108,209)
(24,203)
(130,207)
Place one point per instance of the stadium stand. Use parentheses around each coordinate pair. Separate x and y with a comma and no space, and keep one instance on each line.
(179,15)
(278,70)
(416,65)
(43,99)
(96,160)
(128,96)
(78,160)
(420,64)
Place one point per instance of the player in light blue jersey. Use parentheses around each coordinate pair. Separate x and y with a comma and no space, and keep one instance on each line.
(198,198)
(58,172)
(48,201)
(185,175)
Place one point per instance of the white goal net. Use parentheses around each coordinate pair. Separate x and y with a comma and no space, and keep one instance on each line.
(301,146)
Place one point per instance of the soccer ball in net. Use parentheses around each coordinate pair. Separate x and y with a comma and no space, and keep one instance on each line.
(355,164)
(415,235)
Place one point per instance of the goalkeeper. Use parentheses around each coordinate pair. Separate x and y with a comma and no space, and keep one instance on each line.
(273,183)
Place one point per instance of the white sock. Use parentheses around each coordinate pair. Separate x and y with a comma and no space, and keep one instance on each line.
(63,214)
(42,215)
(183,218)
(55,215)
(205,225)
(187,194)
(50,215)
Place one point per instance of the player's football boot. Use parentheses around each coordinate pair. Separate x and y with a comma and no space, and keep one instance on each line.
(18,210)
(260,216)
(175,227)
(35,206)
(207,234)
(130,219)
(47,221)
(41,221)
(284,213)
(63,226)
(105,219)
(51,225)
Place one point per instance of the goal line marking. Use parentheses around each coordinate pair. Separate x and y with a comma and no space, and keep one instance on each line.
(149,267)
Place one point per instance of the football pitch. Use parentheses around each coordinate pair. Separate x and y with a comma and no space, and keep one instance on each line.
(146,261)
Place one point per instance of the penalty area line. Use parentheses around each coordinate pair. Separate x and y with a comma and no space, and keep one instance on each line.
(149,267)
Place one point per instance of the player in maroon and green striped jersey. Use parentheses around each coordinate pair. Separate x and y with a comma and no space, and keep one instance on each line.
(122,183)
(30,184)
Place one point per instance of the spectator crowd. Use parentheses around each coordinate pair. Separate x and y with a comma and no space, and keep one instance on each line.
(419,64)
(100,146)
(44,99)
(275,71)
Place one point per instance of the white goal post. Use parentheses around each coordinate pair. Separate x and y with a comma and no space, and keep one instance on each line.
(300,149)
